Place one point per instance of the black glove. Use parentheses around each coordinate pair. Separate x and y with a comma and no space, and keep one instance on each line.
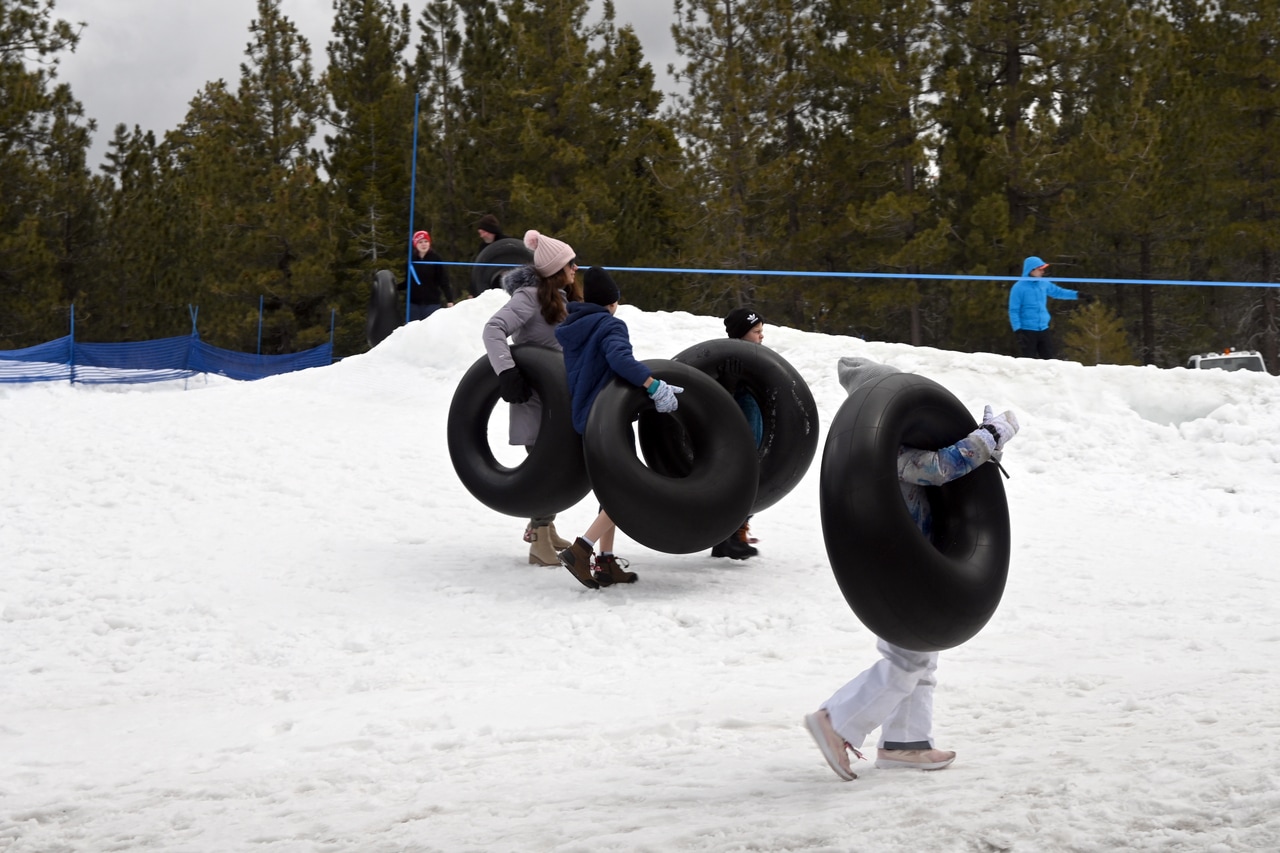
(513,387)
(1086,298)
(729,374)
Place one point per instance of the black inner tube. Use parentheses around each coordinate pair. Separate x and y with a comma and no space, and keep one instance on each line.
(913,592)
(553,476)
(787,408)
(675,514)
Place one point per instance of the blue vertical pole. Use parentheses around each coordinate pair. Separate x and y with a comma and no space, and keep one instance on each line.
(413,185)
(333,317)
(259,325)
(71,350)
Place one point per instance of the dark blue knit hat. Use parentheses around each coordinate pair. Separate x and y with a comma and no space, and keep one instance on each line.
(600,288)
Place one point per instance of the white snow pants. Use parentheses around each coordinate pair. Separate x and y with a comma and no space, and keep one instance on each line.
(894,694)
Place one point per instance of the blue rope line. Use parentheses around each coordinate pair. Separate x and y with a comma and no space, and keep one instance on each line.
(903,275)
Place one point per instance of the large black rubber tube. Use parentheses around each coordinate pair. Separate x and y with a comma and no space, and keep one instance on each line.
(553,477)
(787,408)
(915,593)
(508,251)
(673,514)
(384,315)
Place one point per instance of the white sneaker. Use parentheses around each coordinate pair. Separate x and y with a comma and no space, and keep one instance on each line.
(913,759)
(833,747)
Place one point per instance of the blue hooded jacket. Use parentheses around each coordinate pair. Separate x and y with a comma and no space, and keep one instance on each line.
(596,347)
(1028,300)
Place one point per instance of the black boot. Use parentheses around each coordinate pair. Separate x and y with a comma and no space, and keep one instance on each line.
(734,548)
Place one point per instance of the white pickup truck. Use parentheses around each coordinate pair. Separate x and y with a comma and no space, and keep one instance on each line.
(1228,360)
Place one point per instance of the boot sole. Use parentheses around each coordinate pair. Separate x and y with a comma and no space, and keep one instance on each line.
(890,764)
(589,584)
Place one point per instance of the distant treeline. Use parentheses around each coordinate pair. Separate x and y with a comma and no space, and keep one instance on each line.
(1121,139)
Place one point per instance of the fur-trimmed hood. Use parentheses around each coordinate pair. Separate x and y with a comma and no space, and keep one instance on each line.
(515,279)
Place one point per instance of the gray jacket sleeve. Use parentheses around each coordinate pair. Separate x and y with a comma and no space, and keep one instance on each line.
(510,319)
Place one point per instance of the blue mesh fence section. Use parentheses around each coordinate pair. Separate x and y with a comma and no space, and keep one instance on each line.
(206,358)
(40,363)
(147,361)
(142,361)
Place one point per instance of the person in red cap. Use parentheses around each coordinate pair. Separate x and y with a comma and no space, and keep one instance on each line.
(428,279)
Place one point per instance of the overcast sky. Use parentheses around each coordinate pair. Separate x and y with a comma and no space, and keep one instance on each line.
(140,62)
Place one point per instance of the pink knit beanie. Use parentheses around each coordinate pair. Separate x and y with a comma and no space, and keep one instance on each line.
(549,254)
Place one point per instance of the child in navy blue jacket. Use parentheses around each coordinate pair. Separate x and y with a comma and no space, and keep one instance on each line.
(596,348)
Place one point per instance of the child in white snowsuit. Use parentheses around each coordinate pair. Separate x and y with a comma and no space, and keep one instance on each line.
(895,694)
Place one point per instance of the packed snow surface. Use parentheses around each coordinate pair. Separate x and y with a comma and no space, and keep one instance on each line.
(267,617)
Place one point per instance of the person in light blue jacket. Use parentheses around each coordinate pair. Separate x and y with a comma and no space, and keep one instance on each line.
(1029,311)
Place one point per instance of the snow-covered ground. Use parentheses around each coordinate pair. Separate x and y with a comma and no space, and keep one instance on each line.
(266,616)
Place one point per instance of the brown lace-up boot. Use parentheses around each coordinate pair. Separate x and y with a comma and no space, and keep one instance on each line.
(577,559)
(614,568)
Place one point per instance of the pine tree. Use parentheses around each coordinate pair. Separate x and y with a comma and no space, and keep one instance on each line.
(1009,72)
(633,214)
(44,185)
(1095,335)
(1122,215)
(488,117)
(436,77)
(143,290)
(870,204)
(740,118)
(286,246)
(1248,242)
(370,150)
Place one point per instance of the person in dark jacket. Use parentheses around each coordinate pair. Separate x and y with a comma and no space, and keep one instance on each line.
(1029,311)
(428,279)
(489,229)
(597,347)
(745,324)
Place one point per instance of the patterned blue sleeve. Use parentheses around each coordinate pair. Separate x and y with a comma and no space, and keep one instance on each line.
(935,467)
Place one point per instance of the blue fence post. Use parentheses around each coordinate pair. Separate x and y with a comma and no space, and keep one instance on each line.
(413,185)
(71,350)
(259,324)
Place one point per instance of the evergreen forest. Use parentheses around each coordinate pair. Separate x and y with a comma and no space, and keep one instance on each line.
(913,142)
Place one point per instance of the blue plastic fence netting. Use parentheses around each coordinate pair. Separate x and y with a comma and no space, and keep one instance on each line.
(143,361)
(147,361)
(206,358)
(40,363)
(151,361)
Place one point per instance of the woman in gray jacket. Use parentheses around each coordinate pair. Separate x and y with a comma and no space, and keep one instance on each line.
(539,293)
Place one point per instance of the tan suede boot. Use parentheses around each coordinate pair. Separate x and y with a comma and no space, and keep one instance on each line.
(557,541)
(541,550)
